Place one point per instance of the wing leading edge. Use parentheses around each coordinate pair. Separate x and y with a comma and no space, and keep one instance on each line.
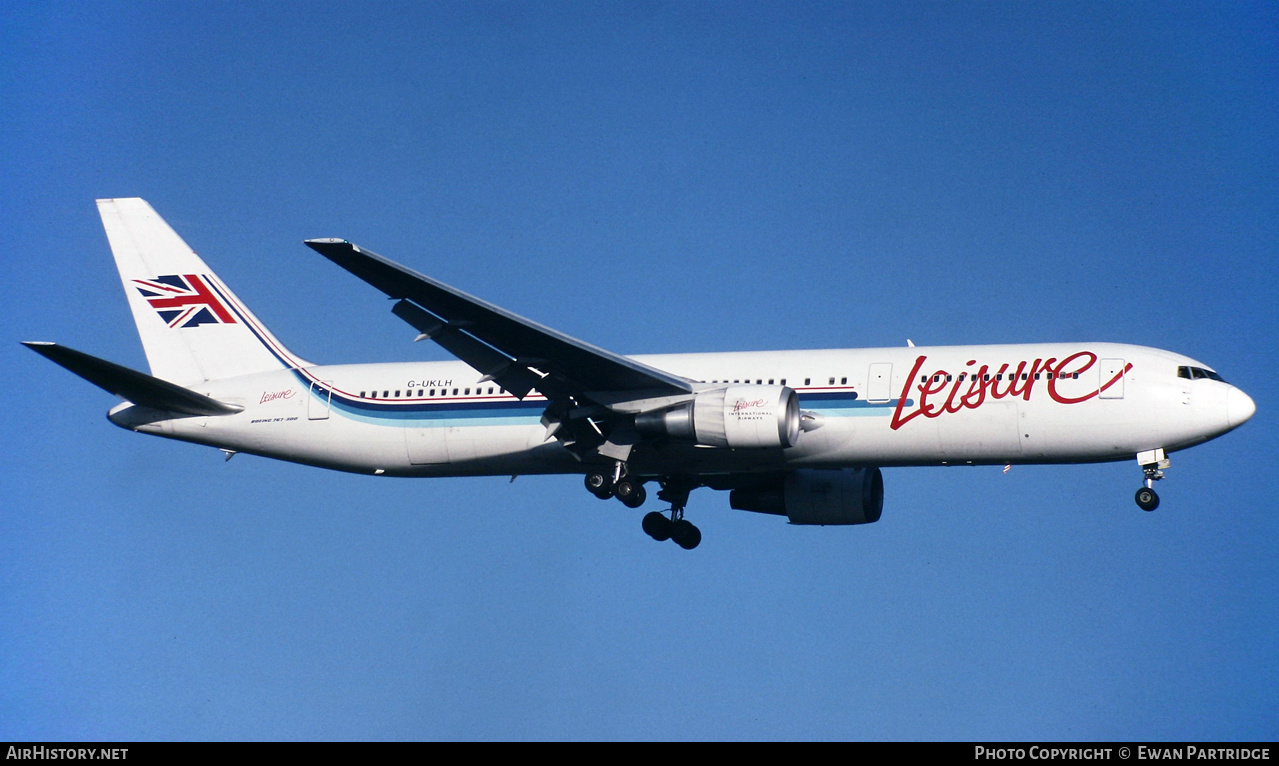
(518,353)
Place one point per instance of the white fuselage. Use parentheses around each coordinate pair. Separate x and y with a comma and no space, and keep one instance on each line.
(1032,403)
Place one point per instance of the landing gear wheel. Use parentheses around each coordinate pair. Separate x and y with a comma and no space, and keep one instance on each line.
(685,534)
(657,526)
(599,484)
(630,492)
(1147,500)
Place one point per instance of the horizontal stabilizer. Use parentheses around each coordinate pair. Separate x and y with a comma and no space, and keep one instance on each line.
(135,386)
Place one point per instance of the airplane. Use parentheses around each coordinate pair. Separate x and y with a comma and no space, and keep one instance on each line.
(800,434)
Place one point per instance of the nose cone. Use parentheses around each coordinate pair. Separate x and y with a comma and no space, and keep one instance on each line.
(1239,407)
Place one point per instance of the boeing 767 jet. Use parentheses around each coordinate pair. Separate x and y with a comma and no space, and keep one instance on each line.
(800,434)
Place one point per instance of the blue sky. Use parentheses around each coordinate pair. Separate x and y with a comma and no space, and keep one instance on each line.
(649,177)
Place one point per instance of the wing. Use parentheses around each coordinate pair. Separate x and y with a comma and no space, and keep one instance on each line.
(517,353)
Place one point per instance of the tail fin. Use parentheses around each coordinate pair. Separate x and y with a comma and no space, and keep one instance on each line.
(193,328)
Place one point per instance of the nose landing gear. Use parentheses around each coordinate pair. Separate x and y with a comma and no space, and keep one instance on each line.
(1147,499)
(1152,464)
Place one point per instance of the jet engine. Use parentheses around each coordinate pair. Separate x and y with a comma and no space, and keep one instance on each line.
(811,496)
(736,416)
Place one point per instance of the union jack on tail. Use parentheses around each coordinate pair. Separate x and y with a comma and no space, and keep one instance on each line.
(184,300)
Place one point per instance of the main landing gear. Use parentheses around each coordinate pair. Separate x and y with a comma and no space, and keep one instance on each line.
(1152,464)
(677,528)
(630,490)
(618,484)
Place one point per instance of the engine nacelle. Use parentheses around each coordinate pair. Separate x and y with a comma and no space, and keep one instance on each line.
(811,496)
(736,416)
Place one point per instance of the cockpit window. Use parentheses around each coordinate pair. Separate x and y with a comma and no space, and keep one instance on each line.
(1195,373)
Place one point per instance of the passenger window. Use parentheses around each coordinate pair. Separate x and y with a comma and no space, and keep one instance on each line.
(843,381)
(808,381)
(386,394)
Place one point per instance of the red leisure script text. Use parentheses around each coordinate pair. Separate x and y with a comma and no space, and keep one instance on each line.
(971,388)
